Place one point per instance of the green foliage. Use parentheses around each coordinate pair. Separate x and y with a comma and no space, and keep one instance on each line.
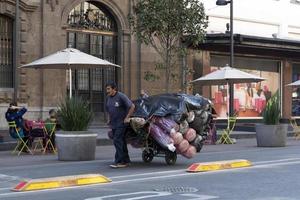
(271,114)
(74,114)
(163,24)
(151,77)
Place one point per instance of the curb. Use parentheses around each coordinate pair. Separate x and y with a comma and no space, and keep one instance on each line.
(218,165)
(59,182)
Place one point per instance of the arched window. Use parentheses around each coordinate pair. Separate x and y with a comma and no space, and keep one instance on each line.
(92,29)
(6,52)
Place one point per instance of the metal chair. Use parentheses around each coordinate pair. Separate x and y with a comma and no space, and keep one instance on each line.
(37,134)
(296,128)
(225,136)
(17,133)
(49,129)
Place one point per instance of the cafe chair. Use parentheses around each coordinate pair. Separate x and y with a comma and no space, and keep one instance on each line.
(49,130)
(225,136)
(17,133)
(37,135)
(296,128)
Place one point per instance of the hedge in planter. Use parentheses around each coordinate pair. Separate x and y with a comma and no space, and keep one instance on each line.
(75,142)
(271,133)
(74,114)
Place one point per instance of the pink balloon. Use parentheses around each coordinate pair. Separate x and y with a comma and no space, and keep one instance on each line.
(190,135)
(177,137)
(183,146)
(190,152)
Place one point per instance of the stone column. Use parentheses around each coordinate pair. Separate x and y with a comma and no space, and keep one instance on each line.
(287,70)
(199,63)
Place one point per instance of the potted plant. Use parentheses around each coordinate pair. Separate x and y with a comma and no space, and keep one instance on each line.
(74,142)
(271,133)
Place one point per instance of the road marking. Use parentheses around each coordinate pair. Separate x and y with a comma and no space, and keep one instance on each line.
(145,195)
(5,188)
(152,194)
(7,178)
(149,173)
(218,165)
(199,197)
(53,164)
(59,182)
(272,161)
(204,173)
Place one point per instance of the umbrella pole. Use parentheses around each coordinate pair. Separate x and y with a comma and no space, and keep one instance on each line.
(70,83)
(228,101)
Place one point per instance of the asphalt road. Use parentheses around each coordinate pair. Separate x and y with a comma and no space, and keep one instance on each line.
(273,176)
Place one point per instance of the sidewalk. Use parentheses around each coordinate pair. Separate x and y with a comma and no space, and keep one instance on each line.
(103,140)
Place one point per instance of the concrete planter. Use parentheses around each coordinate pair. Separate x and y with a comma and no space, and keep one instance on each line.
(76,146)
(271,135)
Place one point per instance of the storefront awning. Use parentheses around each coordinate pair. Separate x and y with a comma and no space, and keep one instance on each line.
(252,45)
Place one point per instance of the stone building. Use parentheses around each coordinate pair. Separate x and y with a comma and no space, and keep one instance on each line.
(98,27)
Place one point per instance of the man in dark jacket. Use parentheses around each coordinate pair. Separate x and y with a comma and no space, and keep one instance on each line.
(119,108)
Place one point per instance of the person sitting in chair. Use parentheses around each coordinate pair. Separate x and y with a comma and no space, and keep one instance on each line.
(51,123)
(15,113)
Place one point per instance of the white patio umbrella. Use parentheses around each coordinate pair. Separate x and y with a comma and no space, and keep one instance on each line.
(227,75)
(69,58)
(295,84)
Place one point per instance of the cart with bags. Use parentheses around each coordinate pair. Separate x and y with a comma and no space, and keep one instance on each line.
(166,125)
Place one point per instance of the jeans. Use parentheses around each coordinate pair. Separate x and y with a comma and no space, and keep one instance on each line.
(119,140)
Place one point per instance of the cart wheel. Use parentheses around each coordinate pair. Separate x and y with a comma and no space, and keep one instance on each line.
(147,156)
(171,157)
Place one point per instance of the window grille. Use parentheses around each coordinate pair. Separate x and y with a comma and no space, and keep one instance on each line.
(6,52)
(93,31)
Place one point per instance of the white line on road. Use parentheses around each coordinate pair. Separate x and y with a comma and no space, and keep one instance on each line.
(53,164)
(5,188)
(149,173)
(183,170)
(273,161)
(152,194)
(199,196)
(146,194)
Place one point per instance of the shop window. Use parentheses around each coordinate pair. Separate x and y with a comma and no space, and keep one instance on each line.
(6,52)
(296,91)
(249,98)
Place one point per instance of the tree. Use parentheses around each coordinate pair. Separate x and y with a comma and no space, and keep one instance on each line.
(163,24)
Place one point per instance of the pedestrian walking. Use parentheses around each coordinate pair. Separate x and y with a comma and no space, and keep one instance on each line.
(119,109)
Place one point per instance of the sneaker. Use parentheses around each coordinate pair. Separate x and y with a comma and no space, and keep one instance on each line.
(119,165)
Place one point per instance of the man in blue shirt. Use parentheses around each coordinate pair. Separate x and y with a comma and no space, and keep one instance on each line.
(119,109)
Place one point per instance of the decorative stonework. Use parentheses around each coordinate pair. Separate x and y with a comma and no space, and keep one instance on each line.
(8,8)
(25,6)
(52,3)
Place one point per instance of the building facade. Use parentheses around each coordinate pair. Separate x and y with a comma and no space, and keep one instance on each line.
(98,27)
(266,44)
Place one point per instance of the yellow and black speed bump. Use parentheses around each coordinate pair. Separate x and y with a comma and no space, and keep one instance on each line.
(218,165)
(59,182)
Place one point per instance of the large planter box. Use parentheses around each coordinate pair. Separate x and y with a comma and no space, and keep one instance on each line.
(76,146)
(271,135)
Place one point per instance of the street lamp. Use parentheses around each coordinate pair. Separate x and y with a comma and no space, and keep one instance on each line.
(231,95)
